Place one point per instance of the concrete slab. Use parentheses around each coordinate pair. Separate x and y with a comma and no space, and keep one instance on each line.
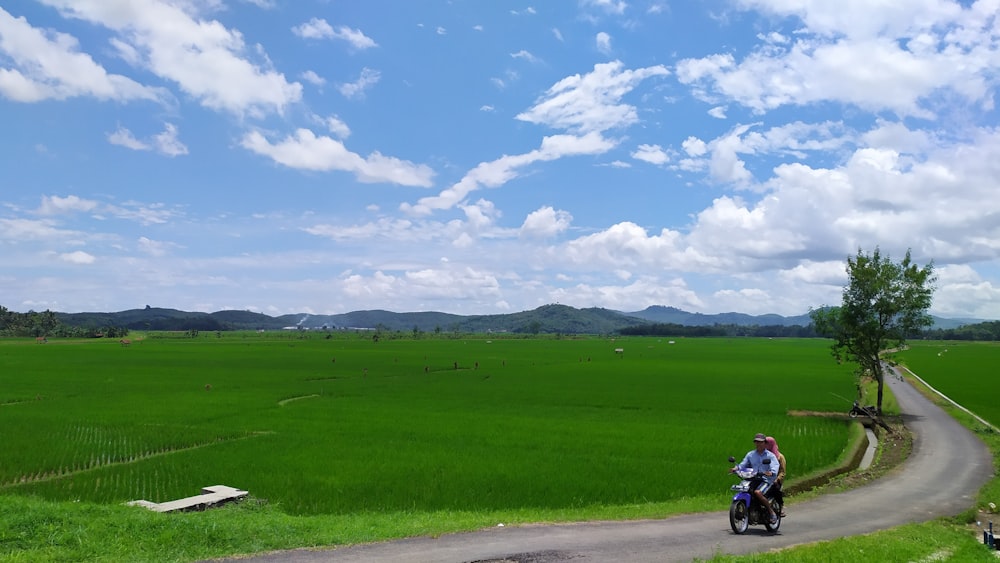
(869,457)
(216,495)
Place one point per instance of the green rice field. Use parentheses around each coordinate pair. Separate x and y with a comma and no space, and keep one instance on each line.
(345,425)
(964,371)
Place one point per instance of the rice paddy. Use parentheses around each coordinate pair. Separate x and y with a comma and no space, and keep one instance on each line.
(964,371)
(345,425)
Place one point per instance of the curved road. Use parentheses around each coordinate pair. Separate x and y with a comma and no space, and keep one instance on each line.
(946,469)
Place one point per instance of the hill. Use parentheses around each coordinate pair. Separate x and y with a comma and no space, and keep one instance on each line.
(672,315)
(547,319)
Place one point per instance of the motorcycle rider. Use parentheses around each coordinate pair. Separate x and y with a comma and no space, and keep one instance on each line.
(779,479)
(764,474)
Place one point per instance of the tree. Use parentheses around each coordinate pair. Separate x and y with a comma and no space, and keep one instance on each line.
(884,303)
(47,322)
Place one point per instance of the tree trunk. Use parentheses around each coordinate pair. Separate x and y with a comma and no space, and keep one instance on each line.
(880,378)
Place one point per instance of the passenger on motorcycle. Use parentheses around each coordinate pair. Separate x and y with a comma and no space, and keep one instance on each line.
(765,475)
(779,479)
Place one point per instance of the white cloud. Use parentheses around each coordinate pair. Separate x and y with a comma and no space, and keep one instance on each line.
(695,146)
(48,65)
(627,245)
(615,7)
(523,54)
(876,197)
(23,230)
(936,47)
(963,292)
(55,205)
(313,78)
(587,104)
(144,214)
(66,207)
(726,165)
(356,89)
(124,138)
(77,257)
(832,272)
(634,296)
(318,28)
(383,228)
(444,284)
(337,127)
(545,222)
(167,142)
(880,17)
(591,102)
(205,59)
(315,28)
(154,248)
(305,151)
(726,154)
(603,42)
(718,112)
(355,37)
(652,154)
(500,171)
(480,216)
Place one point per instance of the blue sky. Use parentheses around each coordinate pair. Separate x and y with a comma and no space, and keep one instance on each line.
(476,157)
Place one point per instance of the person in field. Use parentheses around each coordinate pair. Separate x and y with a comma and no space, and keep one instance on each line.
(779,479)
(765,474)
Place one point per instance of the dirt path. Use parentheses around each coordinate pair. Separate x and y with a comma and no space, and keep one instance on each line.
(947,467)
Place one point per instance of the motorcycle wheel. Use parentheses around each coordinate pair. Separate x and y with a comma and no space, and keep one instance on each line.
(739,519)
(767,518)
(854,414)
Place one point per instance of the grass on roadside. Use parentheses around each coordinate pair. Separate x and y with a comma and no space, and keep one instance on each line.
(938,540)
(36,530)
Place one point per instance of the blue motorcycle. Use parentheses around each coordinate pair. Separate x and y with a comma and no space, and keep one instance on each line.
(746,510)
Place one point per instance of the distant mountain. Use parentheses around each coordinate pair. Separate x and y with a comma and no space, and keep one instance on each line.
(373,319)
(946,324)
(552,319)
(150,318)
(660,314)
(672,315)
(546,319)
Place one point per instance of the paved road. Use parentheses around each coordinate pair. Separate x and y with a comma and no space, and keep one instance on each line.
(947,467)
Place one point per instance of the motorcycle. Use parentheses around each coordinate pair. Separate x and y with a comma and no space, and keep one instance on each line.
(857,410)
(745,510)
